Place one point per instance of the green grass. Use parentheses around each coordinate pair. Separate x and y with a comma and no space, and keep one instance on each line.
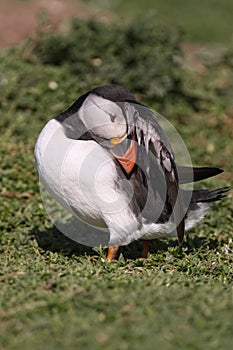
(57,294)
(205,21)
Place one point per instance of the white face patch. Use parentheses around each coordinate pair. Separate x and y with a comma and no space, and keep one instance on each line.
(103,117)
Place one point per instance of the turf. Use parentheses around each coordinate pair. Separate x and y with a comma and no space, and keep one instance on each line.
(57,294)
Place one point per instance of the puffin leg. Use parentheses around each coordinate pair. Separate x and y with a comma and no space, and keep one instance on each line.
(112,252)
(146,248)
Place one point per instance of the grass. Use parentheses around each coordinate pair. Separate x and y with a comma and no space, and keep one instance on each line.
(57,294)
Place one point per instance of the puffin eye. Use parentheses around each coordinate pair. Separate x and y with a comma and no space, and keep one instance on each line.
(112,117)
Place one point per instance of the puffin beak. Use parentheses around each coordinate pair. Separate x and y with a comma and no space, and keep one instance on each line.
(128,159)
(117,140)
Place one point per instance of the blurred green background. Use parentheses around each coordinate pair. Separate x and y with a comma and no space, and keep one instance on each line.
(203,21)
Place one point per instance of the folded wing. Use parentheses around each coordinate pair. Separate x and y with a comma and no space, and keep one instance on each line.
(150,135)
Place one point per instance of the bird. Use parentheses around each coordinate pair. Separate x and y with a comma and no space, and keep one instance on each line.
(107,161)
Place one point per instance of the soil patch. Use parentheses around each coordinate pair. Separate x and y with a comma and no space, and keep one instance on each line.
(20,19)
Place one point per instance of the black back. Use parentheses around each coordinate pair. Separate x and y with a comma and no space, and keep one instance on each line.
(114,93)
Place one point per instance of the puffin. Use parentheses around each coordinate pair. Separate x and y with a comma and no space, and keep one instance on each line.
(108,163)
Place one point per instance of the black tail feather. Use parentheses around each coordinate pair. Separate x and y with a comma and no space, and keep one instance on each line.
(209,195)
(188,174)
(192,198)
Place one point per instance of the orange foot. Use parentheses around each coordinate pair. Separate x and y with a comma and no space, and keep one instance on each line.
(146,248)
(112,252)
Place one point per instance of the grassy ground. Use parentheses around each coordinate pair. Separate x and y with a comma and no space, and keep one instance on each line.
(56,294)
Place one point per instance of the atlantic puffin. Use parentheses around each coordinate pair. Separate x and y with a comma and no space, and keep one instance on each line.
(108,162)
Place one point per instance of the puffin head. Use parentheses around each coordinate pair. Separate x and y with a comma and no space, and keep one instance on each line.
(99,113)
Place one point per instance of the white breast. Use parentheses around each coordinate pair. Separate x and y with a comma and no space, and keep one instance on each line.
(75,172)
(82,177)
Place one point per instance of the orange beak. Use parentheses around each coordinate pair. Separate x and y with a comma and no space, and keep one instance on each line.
(128,160)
